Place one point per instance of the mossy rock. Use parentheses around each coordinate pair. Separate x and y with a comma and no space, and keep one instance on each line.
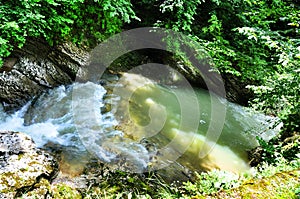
(280,185)
(22,165)
(38,191)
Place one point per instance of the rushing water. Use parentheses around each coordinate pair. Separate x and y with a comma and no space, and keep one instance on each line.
(139,130)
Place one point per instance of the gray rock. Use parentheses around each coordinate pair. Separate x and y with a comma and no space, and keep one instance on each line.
(36,67)
(22,165)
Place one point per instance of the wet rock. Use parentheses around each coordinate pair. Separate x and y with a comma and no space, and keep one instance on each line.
(22,166)
(8,64)
(236,90)
(36,67)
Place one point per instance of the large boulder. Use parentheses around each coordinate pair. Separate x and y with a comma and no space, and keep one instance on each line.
(23,166)
(36,67)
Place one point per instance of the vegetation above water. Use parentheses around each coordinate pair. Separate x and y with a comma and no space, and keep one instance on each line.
(257,41)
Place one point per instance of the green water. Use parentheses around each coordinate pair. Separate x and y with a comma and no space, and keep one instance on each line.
(184,125)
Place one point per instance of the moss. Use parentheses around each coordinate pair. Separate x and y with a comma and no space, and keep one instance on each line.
(64,191)
(43,189)
(97,192)
(10,182)
(39,190)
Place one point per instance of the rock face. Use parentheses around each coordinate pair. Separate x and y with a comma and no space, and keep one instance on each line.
(22,165)
(36,67)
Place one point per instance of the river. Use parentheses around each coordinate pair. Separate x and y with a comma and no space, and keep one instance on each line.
(147,130)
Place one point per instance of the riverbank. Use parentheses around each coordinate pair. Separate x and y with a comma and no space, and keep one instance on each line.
(266,181)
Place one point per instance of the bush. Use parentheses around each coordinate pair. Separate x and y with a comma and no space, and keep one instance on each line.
(58,20)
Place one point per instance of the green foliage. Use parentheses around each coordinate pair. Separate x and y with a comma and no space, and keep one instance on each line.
(218,47)
(58,20)
(270,151)
(280,95)
(212,182)
(184,17)
(276,150)
(269,56)
(120,184)
(64,191)
(205,183)
(267,169)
